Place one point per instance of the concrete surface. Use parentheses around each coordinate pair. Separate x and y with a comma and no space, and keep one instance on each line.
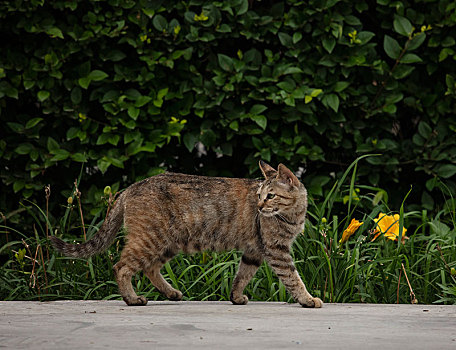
(221,325)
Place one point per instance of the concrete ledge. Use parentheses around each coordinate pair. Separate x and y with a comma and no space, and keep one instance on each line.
(221,325)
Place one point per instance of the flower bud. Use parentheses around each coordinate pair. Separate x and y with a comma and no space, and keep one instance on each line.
(107,190)
(70,200)
(453,271)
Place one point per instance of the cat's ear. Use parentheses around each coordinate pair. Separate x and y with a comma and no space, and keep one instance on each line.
(286,176)
(267,170)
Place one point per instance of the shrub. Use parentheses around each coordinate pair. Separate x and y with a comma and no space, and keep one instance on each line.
(118,90)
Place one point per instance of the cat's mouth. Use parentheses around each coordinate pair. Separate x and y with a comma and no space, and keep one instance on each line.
(268,212)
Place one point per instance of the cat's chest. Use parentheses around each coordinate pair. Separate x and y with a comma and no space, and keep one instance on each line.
(280,229)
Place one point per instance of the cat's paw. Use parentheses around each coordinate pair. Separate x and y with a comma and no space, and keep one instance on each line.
(318,303)
(175,295)
(136,301)
(313,303)
(240,300)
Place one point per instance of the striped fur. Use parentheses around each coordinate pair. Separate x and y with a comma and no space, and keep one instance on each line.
(171,213)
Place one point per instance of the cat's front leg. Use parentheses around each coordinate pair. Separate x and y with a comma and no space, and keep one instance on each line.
(247,269)
(282,264)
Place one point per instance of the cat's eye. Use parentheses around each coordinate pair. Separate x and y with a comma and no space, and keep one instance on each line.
(270,196)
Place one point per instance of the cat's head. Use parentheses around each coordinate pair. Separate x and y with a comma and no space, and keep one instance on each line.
(281,192)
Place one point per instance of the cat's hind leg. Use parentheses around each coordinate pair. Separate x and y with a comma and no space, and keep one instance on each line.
(247,269)
(155,276)
(123,271)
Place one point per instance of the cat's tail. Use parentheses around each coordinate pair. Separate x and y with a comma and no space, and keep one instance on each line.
(100,241)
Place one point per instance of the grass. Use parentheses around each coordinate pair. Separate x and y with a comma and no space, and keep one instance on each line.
(421,269)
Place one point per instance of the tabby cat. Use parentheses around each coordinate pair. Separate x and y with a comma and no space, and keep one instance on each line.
(171,213)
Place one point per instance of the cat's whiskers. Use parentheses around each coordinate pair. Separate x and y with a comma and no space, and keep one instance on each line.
(281,216)
(275,218)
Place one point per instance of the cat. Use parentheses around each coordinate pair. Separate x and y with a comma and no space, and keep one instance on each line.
(170,213)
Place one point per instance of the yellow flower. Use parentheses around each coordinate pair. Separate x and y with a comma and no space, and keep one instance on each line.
(201,18)
(354,37)
(354,225)
(389,226)
(424,28)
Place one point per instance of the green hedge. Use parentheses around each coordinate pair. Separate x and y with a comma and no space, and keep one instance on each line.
(123,89)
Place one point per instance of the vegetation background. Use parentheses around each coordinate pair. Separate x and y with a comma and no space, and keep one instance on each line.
(110,92)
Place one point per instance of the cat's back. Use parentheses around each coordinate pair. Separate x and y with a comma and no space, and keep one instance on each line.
(214,213)
(183,188)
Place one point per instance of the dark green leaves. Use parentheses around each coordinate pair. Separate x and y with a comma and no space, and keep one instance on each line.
(158,102)
(402,26)
(402,71)
(260,120)
(84,82)
(24,148)
(76,95)
(208,137)
(54,32)
(256,115)
(139,84)
(43,95)
(410,58)
(59,155)
(190,140)
(52,145)
(160,23)
(32,122)
(391,47)
(243,7)
(285,39)
(329,43)
(446,171)
(95,75)
(113,55)
(133,112)
(225,62)
(424,129)
(297,37)
(332,100)
(341,86)
(258,109)
(416,41)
